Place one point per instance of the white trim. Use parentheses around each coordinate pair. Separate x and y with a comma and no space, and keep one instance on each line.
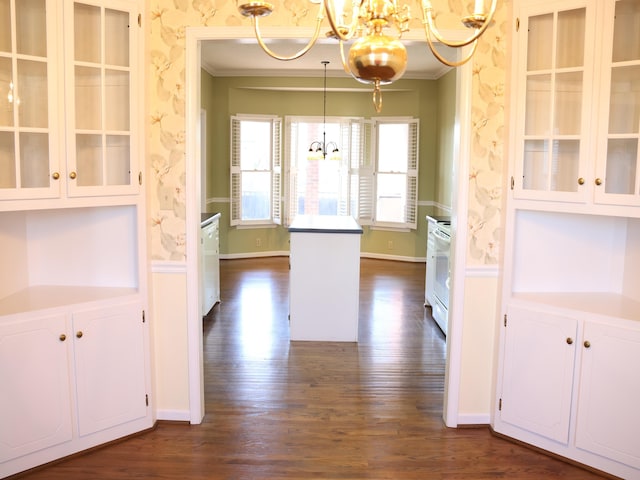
(397,258)
(193,220)
(158,266)
(192,153)
(460,194)
(482,271)
(473,419)
(235,256)
(174,415)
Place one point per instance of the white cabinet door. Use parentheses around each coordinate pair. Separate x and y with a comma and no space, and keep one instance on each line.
(110,366)
(29,121)
(101,82)
(618,156)
(210,241)
(538,372)
(35,386)
(553,76)
(430,277)
(608,421)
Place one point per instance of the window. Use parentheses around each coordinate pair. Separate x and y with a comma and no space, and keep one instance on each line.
(317,185)
(255,170)
(373,176)
(396,175)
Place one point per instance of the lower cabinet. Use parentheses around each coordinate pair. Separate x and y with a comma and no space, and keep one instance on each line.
(210,264)
(70,380)
(570,385)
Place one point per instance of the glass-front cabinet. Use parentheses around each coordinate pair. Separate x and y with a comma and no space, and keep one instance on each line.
(29,127)
(618,170)
(67,121)
(578,102)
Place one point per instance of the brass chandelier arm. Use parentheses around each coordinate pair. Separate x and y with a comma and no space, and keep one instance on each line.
(450,63)
(296,55)
(342,33)
(429,24)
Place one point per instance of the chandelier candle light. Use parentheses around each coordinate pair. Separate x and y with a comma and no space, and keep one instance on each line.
(375,57)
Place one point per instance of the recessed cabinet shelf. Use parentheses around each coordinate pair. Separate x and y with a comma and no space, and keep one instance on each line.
(45,297)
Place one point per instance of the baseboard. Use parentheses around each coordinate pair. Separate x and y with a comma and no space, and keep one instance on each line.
(233,256)
(474,419)
(374,256)
(174,415)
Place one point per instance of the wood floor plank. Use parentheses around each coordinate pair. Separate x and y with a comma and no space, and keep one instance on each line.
(304,410)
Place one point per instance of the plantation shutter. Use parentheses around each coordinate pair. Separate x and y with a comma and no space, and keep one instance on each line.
(292,194)
(411,208)
(362,171)
(236,174)
(276,171)
(344,157)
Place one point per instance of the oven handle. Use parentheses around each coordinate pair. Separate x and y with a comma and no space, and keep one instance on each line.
(441,236)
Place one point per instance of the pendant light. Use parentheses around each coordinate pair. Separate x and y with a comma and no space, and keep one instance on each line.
(322,146)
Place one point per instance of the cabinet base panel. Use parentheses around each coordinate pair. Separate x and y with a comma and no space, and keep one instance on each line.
(553,455)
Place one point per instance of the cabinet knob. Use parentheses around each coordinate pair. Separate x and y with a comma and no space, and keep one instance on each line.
(55,175)
(598,181)
(79,334)
(581,181)
(62,337)
(587,344)
(569,340)
(73,175)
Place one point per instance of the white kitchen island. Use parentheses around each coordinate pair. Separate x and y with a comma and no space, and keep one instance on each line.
(324,278)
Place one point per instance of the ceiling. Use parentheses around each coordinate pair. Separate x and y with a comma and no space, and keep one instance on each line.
(244,57)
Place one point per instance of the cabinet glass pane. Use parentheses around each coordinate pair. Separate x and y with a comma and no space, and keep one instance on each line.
(568,108)
(116,38)
(570,41)
(87,32)
(88,99)
(624,110)
(117,100)
(626,31)
(539,42)
(538,105)
(31,27)
(118,168)
(34,160)
(622,160)
(565,159)
(32,84)
(535,165)
(555,170)
(89,160)
(5,26)
(6,93)
(7,160)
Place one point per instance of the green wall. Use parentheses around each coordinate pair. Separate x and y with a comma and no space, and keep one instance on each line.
(223,97)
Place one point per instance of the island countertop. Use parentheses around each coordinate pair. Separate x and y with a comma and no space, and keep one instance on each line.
(325,224)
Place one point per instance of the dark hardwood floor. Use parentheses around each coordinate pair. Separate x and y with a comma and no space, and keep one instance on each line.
(283,410)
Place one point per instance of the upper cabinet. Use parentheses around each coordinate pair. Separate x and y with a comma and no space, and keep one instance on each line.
(577,103)
(67,88)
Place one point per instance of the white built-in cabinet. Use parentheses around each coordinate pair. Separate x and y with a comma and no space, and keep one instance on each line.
(74,352)
(210,262)
(569,331)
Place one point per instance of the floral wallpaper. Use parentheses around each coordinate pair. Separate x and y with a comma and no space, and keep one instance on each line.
(166,91)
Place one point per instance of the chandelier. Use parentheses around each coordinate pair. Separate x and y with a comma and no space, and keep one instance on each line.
(375,57)
(321,146)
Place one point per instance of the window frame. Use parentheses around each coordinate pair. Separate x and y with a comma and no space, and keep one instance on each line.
(275,170)
(372,171)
